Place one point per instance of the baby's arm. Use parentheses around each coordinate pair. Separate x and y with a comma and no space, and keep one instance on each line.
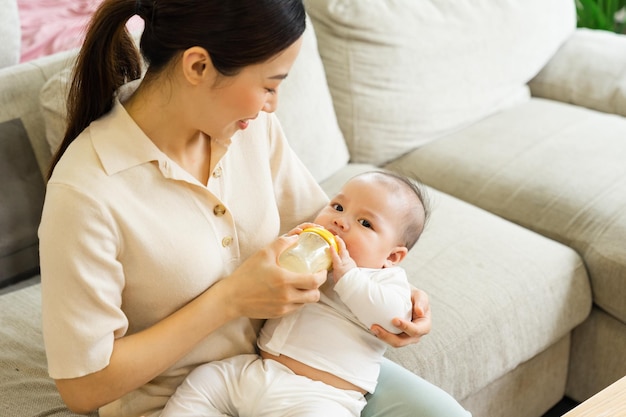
(373,297)
(377,298)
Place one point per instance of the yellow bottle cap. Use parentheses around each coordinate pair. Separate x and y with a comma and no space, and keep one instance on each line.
(325,234)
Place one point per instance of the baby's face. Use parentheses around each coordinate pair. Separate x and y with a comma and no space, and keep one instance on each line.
(367,217)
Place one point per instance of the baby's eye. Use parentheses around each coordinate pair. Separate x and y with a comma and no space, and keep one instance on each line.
(271,90)
(337,206)
(365,223)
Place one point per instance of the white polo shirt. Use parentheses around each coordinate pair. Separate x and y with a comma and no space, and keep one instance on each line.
(127,237)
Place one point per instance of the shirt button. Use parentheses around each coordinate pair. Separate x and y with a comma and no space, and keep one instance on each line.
(219,210)
(227,241)
(217,173)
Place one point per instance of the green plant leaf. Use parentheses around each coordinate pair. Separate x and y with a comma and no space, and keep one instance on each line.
(600,14)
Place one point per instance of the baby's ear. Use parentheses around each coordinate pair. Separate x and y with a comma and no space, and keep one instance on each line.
(396,256)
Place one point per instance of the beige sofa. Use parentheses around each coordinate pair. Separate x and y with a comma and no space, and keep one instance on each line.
(511,116)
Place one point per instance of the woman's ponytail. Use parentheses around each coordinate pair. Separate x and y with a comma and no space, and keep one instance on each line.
(107,60)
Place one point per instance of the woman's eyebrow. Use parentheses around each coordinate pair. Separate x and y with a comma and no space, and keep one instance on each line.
(278,77)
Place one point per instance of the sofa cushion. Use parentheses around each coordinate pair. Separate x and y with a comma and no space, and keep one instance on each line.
(19,87)
(53,98)
(552,167)
(598,81)
(21,193)
(597,357)
(10,33)
(403,73)
(24,159)
(305,110)
(26,388)
(500,294)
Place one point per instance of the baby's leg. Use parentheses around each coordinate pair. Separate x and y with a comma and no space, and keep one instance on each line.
(401,393)
(291,395)
(210,390)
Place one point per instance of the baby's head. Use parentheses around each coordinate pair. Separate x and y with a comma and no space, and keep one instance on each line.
(379,215)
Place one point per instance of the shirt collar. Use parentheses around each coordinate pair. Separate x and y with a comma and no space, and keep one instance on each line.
(120,143)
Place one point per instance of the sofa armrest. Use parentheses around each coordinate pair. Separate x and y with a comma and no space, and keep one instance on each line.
(588,70)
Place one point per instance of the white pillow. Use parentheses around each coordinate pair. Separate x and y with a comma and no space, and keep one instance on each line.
(53,100)
(305,111)
(405,72)
(587,71)
(10,33)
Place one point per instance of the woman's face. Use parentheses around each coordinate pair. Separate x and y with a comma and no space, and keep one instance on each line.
(233,101)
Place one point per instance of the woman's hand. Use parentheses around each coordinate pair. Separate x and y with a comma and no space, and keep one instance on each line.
(260,288)
(413,331)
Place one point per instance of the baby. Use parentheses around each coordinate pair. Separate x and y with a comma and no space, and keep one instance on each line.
(323,358)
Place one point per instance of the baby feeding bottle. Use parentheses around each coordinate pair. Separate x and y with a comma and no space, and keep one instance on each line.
(311,253)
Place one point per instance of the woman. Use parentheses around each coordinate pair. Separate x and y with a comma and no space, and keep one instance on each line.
(158,237)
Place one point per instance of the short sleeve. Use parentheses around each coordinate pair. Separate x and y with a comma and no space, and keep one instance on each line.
(82,283)
(376,298)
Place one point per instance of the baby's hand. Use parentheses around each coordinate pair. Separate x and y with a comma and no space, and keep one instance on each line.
(342,262)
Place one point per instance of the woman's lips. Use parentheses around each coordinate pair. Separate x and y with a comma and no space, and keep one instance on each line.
(243,123)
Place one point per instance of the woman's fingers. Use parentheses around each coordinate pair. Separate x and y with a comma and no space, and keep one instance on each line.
(412,331)
(262,289)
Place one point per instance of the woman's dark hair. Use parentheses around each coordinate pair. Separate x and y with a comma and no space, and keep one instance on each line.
(234,33)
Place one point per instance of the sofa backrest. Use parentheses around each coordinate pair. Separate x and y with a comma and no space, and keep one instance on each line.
(24,155)
(405,72)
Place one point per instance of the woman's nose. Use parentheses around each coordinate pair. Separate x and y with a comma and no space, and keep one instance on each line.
(271,104)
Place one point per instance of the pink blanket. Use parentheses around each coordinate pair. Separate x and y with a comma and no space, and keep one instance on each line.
(50,26)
